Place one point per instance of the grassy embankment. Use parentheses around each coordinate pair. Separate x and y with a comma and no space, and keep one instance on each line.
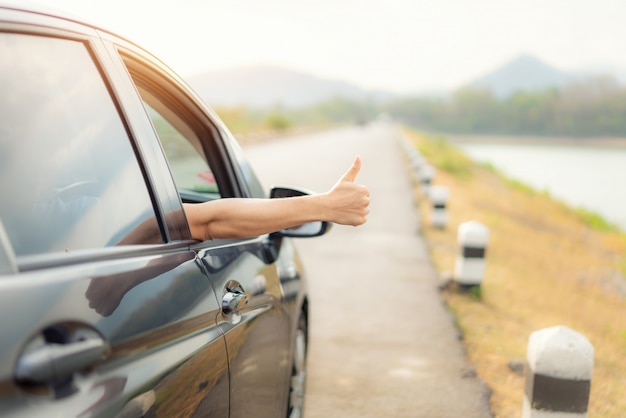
(547,265)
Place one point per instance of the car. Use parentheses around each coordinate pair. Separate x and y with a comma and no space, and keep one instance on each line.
(108,307)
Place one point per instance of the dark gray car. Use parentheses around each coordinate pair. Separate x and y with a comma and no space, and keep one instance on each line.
(107,306)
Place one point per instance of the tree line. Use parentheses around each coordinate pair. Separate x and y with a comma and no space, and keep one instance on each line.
(594,107)
(590,108)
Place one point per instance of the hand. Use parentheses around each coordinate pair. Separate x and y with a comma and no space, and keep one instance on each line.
(347,200)
(106,292)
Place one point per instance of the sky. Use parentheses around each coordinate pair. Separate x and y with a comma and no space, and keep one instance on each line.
(402,46)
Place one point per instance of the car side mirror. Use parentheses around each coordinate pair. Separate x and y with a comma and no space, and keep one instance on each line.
(307,230)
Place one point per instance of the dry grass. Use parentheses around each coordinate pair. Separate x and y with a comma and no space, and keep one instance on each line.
(545,267)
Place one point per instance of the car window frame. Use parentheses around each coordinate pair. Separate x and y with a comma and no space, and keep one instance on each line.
(223,140)
(213,149)
(226,168)
(222,162)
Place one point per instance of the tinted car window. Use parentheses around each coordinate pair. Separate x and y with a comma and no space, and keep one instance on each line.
(252,182)
(188,137)
(69,176)
(190,170)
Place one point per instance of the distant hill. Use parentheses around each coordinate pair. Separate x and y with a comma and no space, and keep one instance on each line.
(266,85)
(263,86)
(525,73)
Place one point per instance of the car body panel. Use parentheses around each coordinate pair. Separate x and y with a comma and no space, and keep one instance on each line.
(166,319)
(257,335)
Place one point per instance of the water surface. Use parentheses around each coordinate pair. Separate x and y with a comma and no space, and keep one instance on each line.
(581,176)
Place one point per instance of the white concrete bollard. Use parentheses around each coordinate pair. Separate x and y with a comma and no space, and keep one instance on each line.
(406,144)
(558,374)
(469,269)
(426,173)
(417,161)
(439,198)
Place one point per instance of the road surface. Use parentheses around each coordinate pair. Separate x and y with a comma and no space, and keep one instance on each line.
(382,342)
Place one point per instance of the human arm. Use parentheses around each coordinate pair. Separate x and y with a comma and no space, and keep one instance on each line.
(345,203)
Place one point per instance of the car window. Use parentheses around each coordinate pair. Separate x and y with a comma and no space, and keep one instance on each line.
(187,135)
(69,176)
(254,186)
(190,170)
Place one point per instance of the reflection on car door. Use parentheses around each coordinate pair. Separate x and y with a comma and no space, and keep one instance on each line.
(154,317)
(256,330)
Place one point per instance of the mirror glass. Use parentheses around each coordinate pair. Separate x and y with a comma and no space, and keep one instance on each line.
(305,230)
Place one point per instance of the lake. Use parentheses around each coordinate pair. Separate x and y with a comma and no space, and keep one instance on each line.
(591,177)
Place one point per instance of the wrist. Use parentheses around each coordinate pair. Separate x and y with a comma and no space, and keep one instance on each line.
(321,208)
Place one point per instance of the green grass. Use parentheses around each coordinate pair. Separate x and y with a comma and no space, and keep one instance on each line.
(595,220)
(446,157)
(538,248)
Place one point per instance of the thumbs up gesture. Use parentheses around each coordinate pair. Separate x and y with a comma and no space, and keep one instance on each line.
(349,201)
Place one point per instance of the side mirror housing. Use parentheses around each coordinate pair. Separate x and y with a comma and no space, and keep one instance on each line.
(307,230)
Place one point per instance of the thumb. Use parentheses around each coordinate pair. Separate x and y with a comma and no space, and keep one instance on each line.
(353,170)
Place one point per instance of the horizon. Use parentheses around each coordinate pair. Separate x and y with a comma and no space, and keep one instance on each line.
(405,47)
(503,87)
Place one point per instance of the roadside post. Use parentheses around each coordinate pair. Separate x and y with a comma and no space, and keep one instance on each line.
(469,269)
(427,173)
(417,161)
(415,158)
(439,199)
(558,374)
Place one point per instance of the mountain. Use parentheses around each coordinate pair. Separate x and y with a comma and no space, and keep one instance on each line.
(525,73)
(263,86)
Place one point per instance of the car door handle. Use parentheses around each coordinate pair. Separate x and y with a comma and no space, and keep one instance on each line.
(234,297)
(52,362)
(233,301)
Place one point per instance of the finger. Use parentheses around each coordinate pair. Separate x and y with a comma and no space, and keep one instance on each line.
(353,171)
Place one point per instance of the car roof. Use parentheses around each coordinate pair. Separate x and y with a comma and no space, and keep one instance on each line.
(46,10)
(34,8)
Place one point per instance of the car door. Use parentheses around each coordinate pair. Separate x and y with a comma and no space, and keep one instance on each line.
(104,309)
(254,319)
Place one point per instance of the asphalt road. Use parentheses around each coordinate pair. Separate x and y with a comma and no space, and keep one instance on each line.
(382,342)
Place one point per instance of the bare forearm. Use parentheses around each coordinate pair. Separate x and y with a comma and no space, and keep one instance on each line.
(240,218)
(346,203)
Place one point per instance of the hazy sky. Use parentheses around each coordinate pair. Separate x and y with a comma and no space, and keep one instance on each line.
(399,45)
